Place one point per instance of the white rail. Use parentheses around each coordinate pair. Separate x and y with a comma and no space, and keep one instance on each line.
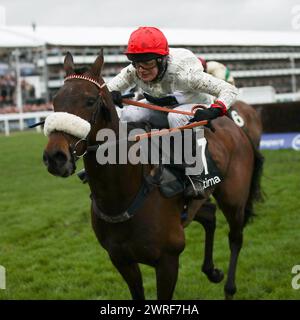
(37,116)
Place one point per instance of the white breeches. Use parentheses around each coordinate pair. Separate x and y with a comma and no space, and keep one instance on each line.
(158,119)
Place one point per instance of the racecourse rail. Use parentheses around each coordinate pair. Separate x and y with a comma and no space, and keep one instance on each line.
(273,141)
(37,116)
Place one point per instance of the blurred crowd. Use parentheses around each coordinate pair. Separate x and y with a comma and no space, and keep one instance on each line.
(27,108)
(7,90)
(8,96)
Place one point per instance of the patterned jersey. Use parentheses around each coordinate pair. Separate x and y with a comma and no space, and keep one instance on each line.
(184,75)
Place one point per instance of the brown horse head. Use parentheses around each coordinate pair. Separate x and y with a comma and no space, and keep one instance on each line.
(82,106)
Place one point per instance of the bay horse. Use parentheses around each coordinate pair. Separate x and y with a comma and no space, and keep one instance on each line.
(250,121)
(154,235)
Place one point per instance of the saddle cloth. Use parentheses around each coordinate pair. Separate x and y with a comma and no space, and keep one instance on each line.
(172,179)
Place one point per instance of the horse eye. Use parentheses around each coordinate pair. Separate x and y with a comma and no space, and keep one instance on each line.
(90,102)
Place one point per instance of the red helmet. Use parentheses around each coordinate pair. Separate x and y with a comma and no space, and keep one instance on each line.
(147,40)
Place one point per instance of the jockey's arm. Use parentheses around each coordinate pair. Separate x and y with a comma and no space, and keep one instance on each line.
(224,92)
(123,81)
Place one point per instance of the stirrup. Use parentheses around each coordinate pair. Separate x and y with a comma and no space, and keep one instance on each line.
(195,189)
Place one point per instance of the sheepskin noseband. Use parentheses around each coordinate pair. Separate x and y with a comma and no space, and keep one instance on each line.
(68,123)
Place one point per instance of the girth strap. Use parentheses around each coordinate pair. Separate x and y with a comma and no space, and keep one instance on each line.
(149,183)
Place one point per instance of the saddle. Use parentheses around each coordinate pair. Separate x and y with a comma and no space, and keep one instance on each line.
(171,178)
(174,181)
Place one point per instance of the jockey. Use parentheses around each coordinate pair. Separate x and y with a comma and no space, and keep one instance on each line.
(217,70)
(170,77)
(161,72)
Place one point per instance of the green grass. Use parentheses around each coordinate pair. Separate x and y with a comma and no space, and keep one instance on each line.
(50,252)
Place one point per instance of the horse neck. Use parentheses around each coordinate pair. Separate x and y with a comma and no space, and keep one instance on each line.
(113,186)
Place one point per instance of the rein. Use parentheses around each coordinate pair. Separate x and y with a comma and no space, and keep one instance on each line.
(149,181)
(157,108)
(134,103)
(163,132)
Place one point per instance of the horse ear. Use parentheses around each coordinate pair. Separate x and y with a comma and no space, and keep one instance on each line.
(69,64)
(97,65)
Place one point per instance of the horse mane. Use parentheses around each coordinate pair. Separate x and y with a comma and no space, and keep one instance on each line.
(104,111)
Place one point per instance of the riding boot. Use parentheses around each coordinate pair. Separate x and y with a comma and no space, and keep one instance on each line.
(82,176)
(194,188)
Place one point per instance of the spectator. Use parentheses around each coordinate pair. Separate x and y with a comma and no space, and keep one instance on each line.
(7,90)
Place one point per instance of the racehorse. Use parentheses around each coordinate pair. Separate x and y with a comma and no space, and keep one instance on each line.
(154,234)
(248,119)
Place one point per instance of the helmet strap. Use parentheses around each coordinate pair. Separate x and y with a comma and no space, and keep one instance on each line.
(162,64)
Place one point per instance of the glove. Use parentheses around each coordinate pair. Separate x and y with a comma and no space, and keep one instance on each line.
(117,98)
(216,110)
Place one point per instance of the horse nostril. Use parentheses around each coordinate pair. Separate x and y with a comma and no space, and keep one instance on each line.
(60,158)
(55,160)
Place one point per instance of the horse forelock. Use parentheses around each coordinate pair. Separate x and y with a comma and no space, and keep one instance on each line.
(81,70)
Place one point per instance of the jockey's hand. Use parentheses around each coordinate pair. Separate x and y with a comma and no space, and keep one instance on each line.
(117,98)
(216,110)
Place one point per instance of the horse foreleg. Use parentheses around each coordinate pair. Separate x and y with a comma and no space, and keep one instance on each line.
(132,275)
(166,276)
(207,217)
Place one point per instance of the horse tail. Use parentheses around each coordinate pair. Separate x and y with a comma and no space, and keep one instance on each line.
(256,192)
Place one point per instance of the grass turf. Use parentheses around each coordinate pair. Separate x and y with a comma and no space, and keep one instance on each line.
(50,252)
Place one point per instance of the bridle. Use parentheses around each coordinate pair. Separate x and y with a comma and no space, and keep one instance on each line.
(73,147)
(148,184)
(150,180)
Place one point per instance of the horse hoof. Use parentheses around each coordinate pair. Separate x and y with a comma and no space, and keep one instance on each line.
(228,296)
(215,275)
(229,292)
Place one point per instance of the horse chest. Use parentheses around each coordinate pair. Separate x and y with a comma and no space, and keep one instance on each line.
(141,240)
(132,247)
